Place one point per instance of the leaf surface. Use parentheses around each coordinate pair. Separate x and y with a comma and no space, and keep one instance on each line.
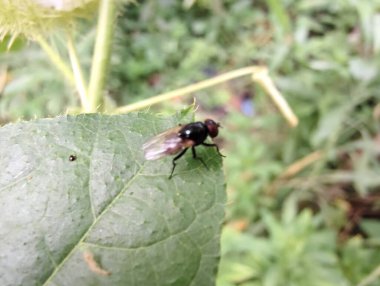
(81,206)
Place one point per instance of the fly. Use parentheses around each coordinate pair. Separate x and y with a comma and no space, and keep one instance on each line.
(179,139)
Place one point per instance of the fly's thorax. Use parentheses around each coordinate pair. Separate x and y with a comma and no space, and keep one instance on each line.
(196,132)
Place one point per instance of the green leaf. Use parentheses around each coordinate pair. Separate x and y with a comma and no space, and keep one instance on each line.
(371,227)
(76,187)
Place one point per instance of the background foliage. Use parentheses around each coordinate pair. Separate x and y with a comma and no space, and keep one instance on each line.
(317,225)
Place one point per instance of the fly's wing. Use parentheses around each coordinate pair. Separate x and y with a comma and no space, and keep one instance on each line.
(163,144)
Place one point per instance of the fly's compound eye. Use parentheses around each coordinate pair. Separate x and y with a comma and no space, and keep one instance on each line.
(212,127)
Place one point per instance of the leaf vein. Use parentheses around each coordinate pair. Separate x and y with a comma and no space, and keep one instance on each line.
(60,265)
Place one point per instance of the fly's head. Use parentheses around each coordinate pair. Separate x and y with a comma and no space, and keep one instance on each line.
(212,127)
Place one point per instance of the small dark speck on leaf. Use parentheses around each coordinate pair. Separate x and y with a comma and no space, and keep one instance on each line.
(72,158)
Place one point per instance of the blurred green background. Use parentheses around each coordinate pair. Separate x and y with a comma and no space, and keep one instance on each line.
(303,203)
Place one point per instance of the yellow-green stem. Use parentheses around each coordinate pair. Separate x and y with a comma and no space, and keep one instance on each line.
(259,74)
(263,79)
(186,90)
(101,55)
(371,278)
(78,74)
(56,59)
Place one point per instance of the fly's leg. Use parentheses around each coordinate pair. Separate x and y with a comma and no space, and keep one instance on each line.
(214,145)
(195,157)
(175,159)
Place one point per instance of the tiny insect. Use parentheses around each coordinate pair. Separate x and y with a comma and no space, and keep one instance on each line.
(179,139)
(72,158)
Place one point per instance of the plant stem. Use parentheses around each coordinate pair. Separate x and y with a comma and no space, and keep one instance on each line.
(263,79)
(259,75)
(372,277)
(56,59)
(186,90)
(101,55)
(78,74)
